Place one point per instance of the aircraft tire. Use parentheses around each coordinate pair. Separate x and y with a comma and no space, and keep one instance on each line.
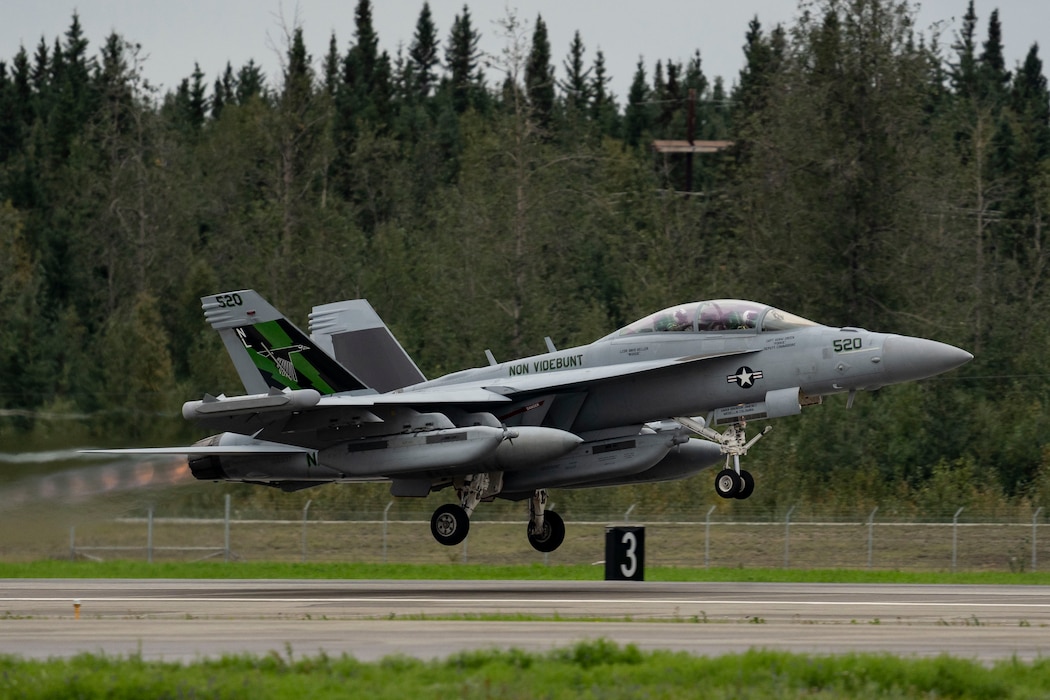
(450,524)
(553,533)
(747,485)
(727,483)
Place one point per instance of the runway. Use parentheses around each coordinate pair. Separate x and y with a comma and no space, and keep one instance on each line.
(185,620)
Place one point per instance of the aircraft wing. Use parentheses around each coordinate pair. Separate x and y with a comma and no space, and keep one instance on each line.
(429,397)
(228,450)
(315,410)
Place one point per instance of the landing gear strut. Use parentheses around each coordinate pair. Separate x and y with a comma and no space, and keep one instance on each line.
(546,530)
(731,481)
(450,523)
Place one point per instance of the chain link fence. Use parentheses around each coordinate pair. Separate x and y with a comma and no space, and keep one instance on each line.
(798,538)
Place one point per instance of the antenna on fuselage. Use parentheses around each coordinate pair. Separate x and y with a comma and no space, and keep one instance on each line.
(550,344)
(491,358)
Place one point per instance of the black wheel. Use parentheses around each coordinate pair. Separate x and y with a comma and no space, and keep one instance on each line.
(727,483)
(553,533)
(747,484)
(450,524)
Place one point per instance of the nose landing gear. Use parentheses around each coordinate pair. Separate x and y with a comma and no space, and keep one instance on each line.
(730,482)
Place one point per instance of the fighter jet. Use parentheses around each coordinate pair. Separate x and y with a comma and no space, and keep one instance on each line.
(660,399)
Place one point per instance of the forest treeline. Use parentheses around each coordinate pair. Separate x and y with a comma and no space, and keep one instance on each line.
(881,177)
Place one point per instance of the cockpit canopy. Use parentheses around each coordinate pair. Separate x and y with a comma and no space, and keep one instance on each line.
(720,315)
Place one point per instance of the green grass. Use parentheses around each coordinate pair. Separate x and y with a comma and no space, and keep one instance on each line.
(525,572)
(596,669)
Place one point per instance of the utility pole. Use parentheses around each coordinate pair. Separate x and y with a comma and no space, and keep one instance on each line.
(690,145)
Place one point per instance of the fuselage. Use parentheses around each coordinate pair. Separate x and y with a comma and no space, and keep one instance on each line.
(711,355)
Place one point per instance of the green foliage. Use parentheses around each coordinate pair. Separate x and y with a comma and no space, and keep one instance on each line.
(53,568)
(589,669)
(875,182)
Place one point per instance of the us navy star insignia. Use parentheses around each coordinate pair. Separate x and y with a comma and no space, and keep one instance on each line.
(745,377)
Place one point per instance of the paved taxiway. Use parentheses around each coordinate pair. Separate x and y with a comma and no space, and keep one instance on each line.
(178,620)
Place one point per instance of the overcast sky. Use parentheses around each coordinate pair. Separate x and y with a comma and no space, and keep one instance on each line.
(174,35)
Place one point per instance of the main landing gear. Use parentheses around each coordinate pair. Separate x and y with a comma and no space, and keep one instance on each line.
(450,523)
(546,530)
(730,482)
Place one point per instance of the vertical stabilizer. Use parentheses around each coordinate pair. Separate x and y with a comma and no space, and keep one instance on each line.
(352,333)
(269,351)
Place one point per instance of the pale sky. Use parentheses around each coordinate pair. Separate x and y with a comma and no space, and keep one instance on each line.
(211,32)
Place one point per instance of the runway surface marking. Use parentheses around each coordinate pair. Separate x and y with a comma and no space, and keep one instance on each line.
(188,620)
(509,601)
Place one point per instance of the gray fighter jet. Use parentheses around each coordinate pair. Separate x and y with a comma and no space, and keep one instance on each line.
(662,398)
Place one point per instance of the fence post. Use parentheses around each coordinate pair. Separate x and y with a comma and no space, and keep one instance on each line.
(955,537)
(226,524)
(871,532)
(306,511)
(385,511)
(787,538)
(1035,524)
(707,536)
(149,536)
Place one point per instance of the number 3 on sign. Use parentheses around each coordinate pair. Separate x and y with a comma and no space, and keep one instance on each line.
(629,568)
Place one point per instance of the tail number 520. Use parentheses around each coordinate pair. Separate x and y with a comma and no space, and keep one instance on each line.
(226,301)
(847,344)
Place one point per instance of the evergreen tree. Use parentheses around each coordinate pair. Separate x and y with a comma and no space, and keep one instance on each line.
(602,106)
(462,59)
(331,67)
(21,78)
(964,70)
(300,152)
(637,117)
(113,82)
(189,104)
(250,83)
(751,93)
(670,103)
(363,96)
(993,77)
(577,85)
(224,91)
(539,76)
(1023,152)
(694,76)
(423,52)
(41,74)
(9,127)
(298,75)
(70,69)
(1030,102)
(198,103)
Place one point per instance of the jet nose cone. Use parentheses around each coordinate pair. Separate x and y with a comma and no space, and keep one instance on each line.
(906,359)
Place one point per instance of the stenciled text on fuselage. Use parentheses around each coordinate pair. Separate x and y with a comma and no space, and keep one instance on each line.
(548,365)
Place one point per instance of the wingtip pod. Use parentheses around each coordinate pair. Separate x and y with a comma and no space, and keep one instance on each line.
(907,359)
